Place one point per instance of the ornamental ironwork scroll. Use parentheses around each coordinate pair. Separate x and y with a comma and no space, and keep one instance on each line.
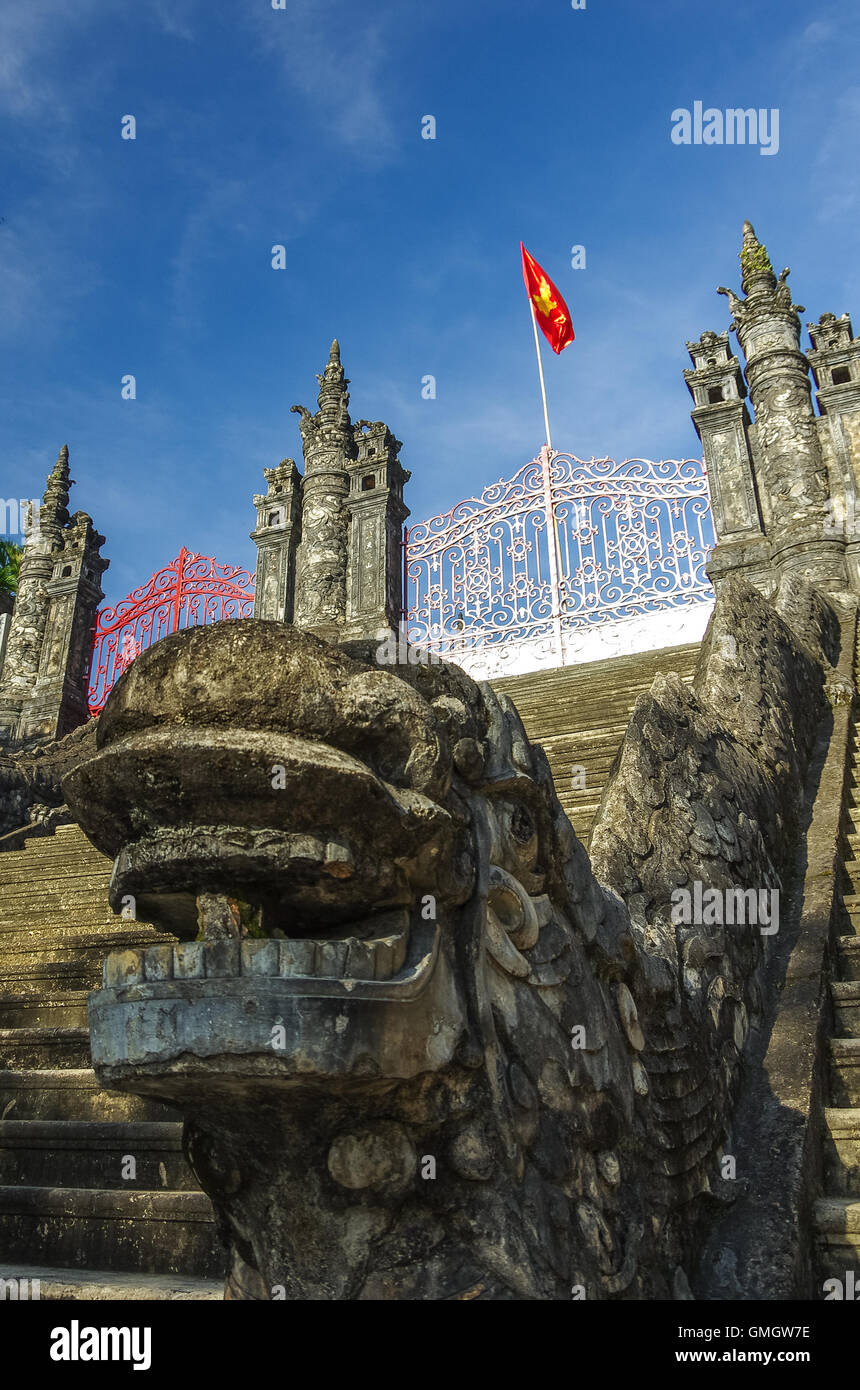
(192,590)
(564,546)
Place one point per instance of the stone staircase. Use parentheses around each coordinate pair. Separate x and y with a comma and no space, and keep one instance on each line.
(68,1215)
(837,1212)
(579,715)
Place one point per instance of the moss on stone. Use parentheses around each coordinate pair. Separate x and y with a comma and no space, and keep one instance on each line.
(755,260)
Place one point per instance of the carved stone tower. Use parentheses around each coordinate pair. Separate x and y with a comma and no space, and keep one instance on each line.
(835,362)
(330,544)
(722,422)
(320,600)
(377,513)
(43,686)
(276,537)
(779,501)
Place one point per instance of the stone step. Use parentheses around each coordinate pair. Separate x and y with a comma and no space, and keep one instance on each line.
(579,715)
(94,1153)
(145,1231)
(601,720)
(53,849)
(42,901)
(848,957)
(582,750)
(98,1285)
(77,947)
(26,1048)
(20,926)
(842,1152)
(71,1093)
(79,873)
(15,868)
(837,1226)
(845,1072)
(82,857)
(45,852)
(60,1009)
(64,835)
(846,1007)
(48,976)
(81,933)
(38,882)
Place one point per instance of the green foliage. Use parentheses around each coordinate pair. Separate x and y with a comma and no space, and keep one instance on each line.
(251,919)
(10,563)
(755,260)
(247,920)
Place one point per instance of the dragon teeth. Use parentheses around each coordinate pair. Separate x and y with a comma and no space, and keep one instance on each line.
(298,957)
(360,961)
(351,958)
(332,857)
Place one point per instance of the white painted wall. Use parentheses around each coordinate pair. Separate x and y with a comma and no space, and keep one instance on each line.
(671,627)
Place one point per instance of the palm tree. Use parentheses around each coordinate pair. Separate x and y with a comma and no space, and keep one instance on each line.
(10,562)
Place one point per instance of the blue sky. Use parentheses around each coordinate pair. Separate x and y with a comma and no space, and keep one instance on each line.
(302,127)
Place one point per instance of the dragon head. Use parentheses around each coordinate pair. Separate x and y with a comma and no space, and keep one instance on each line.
(394,986)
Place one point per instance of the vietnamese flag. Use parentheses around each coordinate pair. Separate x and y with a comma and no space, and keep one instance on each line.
(551,313)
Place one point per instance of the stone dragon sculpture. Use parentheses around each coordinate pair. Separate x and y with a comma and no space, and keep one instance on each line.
(426,1049)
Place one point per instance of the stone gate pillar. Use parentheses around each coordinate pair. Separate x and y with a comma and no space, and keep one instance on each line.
(5,624)
(835,362)
(330,545)
(43,681)
(58,702)
(320,601)
(780,503)
(376,516)
(27,629)
(276,537)
(722,423)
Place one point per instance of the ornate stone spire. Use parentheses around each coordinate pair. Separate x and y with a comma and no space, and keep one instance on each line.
(331,426)
(321,560)
(756,269)
(44,679)
(55,503)
(348,562)
(789,469)
(333,398)
(765,294)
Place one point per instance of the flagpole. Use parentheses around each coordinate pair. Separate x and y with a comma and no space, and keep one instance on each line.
(540,373)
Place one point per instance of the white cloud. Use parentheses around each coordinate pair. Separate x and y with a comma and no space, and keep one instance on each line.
(32,36)
(336,68)
(174,17)
(836,162)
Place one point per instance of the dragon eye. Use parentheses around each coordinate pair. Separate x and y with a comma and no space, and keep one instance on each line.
(522,825)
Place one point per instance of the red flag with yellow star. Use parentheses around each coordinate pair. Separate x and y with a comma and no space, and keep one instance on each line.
(551,313)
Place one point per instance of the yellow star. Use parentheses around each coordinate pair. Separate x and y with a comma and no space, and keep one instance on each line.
(542,299)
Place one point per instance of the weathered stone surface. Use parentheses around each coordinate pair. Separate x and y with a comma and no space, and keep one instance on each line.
(330,555)
(533,1091)
(43,680)
(784,485)
(30,781)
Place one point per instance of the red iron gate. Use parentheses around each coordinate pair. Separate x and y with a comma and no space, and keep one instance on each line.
(191,590)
